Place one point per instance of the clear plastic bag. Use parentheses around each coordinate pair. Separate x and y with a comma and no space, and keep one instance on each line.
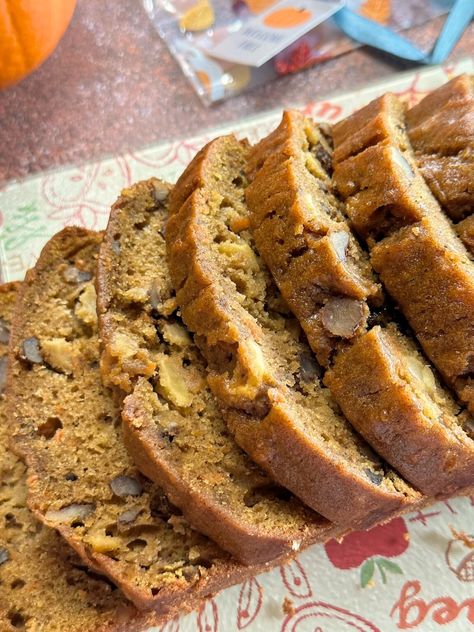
(191,28)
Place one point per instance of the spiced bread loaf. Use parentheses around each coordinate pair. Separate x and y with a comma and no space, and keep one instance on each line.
(379,380)
(441,131)
(66,426)
(259,365)
(172,425)
(414,248)
(44,585)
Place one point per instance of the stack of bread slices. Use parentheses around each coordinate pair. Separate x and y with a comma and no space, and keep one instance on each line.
(272,352)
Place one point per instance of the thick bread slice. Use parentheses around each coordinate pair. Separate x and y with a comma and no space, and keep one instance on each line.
(67,428)
(301,232)
(391,395)
(258,366)
(44,585)
(399,414)
(172,425)
(421,262)
(441,131)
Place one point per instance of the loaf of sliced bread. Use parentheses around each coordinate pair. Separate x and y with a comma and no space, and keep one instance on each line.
(383,387)
(259,365)
(172,425)
(421,262)
(44,585)
(441,131)
(67,427)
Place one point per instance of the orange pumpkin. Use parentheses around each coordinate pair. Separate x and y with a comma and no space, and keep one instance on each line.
(29,32)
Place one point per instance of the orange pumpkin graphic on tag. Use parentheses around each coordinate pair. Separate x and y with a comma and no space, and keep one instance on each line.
(287,18)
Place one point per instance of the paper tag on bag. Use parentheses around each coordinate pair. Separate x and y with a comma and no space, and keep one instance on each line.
(261,37)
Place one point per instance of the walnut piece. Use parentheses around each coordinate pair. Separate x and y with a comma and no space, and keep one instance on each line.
(124,486)
(176,334)
(343,316)
(60,354)
(340,241)
(30,351)
(85,308)
(173,381)
(69,514)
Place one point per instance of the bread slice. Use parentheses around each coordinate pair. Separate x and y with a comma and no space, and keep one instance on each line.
(383,387)
(421,262)
(67,428)
(258,366)
(441,131)
(391,395)
(172,425)
(44,585)
(301,232)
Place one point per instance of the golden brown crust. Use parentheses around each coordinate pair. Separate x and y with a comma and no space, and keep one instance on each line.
(414,247)
(256,359)
(442,122)
(392,398)
(441,131)
(76,442)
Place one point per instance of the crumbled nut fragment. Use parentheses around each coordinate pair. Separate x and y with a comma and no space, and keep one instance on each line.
(30,351)
(86,306)
(73,275)
(375,477)
(159,193)
(422,372)
(116,246)
(102,543)
(342,316)
(135,295)
(60,354)
(3,373)
(129,516)
(194,553)
(123,346)
(155,294)
(400,160)
(4,555)
(4,332)
(310,371)
(176,334)
(69,514)
(172,381)
(123,486)
(252,357)
(340,241)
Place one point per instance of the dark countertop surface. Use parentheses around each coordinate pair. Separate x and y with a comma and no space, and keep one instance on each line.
(112,86)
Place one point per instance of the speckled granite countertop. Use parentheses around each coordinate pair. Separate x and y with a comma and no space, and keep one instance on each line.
(112,86)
